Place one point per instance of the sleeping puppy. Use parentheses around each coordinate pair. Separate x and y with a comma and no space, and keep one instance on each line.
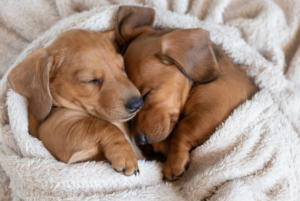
(79,96)
(180,73)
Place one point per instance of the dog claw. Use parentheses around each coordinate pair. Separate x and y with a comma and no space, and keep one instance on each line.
(180,174)
(138,170)
(124,171)
(187,166)
(134,172)
(173,178)
(117,170)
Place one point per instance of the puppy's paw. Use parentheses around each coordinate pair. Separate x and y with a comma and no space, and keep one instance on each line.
(176,166)
(125,163)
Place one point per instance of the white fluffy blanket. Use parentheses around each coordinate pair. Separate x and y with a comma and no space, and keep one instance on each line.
(253,155)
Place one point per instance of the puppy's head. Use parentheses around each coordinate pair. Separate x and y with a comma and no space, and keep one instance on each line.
(163,65)
(80,70)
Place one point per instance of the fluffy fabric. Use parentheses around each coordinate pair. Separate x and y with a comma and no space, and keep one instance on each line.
(253,155)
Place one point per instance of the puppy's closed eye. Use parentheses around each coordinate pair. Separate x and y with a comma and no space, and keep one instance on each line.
(146,94)
(95,81)
(165,60)
(92,81)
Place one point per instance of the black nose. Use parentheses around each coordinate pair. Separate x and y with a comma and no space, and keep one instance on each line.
(134,104)
(141,140)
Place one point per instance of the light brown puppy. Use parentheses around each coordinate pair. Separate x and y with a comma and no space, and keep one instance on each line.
(82,76)
(179,72)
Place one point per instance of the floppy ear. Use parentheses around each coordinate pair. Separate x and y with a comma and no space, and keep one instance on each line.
(191,50)
(31,79)
(132,21)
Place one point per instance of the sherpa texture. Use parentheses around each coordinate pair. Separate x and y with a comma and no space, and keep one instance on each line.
(253,155)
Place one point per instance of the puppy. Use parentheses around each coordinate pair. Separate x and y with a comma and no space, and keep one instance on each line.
(180,73)
(81,77)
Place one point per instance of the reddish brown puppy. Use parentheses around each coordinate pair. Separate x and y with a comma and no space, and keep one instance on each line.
(161,82)
(77,90)
(179,72)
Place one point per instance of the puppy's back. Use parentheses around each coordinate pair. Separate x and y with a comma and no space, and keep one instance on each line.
(222,96)
(62,132)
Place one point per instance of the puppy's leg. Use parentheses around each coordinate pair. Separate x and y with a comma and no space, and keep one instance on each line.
(104,137)
(72,136)
(191,131)
(162,146)
(124,128)
(119,151)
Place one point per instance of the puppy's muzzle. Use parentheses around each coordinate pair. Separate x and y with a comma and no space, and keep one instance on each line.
(134,104)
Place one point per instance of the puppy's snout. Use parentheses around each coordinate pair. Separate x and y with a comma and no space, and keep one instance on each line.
(141,140)
(134,104)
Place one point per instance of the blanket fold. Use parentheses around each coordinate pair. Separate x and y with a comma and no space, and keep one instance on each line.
(253,155)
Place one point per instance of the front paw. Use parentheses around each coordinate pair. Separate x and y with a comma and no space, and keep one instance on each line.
(176,166)
(125,163)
